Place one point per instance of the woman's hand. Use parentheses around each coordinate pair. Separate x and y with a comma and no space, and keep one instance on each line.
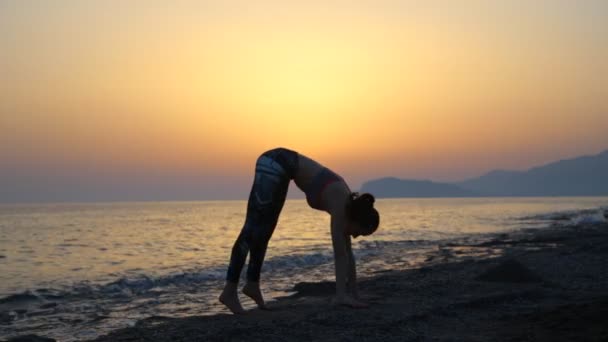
(349,301)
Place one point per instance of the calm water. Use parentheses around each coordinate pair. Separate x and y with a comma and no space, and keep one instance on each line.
(73,271)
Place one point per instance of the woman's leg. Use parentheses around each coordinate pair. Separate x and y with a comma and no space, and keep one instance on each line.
(229,296)
(266,200)
(267,218)
(240,249)
(264,228)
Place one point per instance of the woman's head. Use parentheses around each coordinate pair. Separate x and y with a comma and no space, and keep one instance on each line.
(363,216)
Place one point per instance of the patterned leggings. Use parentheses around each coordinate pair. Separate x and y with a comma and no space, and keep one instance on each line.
(273,172)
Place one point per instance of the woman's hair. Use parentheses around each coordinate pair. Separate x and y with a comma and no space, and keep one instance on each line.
(360,208)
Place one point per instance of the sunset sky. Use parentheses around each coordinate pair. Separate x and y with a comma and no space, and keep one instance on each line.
(132,100)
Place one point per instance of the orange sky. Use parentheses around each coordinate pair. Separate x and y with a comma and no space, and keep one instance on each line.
(195,90)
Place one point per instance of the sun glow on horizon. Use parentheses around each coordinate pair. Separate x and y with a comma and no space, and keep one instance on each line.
(438,90)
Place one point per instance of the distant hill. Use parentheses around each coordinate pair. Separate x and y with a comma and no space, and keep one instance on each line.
(582,176)
(394,187)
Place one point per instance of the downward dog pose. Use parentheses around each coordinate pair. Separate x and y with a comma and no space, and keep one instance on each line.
(352,214)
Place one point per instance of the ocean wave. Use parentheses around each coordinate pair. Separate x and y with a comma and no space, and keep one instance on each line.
(122,301)
(593,215)
(19,298)
(142,284)
(590,218)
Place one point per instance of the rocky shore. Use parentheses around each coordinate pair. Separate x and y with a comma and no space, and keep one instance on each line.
(536,285)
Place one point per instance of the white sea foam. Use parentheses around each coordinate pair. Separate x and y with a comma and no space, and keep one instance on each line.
(593,217)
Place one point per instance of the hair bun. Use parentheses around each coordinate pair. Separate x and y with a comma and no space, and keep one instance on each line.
(368,198)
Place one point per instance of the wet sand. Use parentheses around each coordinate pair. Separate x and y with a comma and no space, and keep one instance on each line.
(533,285)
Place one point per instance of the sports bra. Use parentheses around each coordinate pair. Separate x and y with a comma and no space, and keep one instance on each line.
(315,188)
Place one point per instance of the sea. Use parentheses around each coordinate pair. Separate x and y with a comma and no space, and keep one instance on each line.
(74,271)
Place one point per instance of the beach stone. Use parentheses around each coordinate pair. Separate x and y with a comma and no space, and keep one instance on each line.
(6,318)
(30,338)
(510,271)
(323,288)
(48,305)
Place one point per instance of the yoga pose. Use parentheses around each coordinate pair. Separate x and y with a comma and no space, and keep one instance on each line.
(352,214)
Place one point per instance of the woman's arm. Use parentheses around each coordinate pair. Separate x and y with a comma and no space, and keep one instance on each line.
(351,280)
(338,239)
(345,269)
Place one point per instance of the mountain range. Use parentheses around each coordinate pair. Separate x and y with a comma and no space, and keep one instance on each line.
(581,176)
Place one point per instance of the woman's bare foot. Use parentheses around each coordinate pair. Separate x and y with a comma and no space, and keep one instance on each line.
(230,298)
(252,290)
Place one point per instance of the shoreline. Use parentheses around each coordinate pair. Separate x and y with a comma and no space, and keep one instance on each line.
(534,284)
(547,284)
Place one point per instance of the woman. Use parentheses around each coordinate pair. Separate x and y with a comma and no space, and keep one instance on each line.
(351,215)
